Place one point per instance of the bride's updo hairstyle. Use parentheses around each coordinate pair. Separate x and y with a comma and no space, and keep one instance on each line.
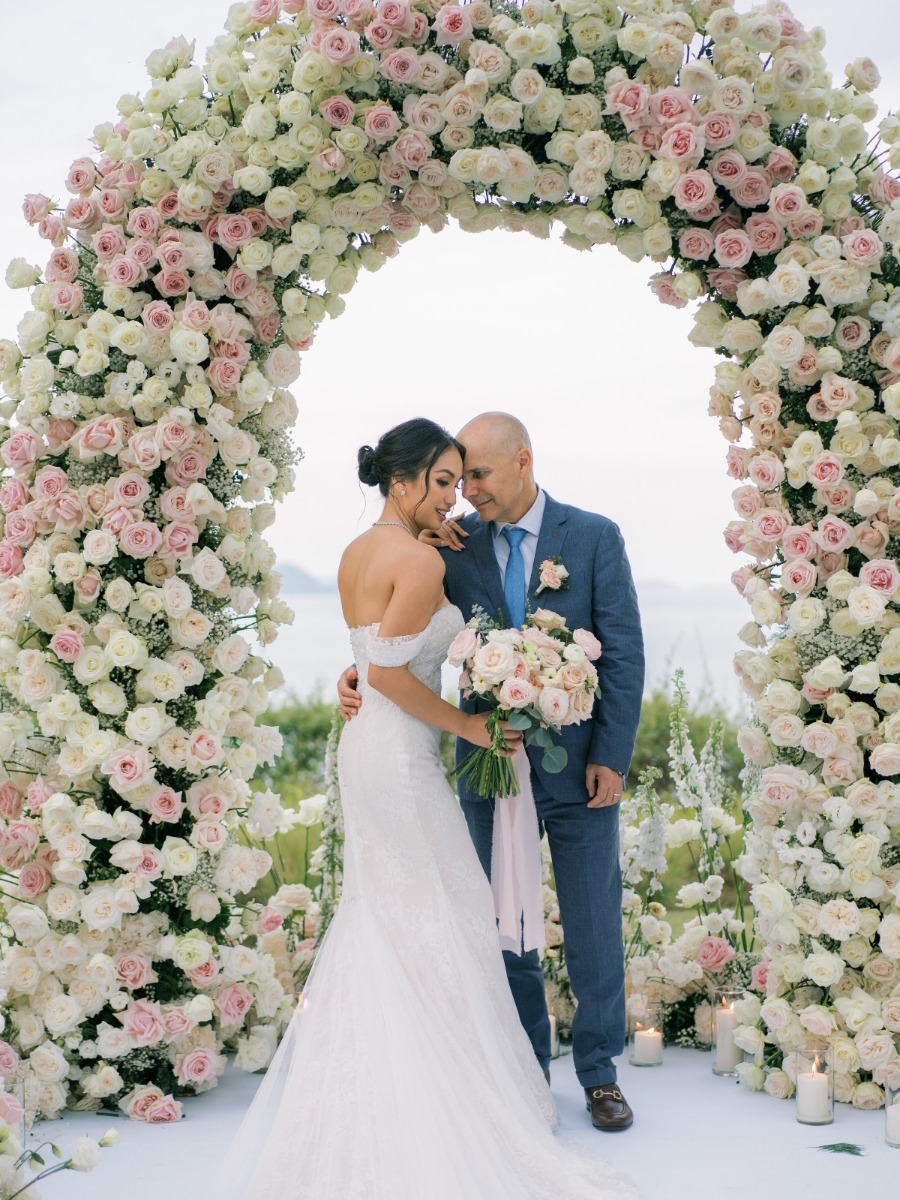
(404,452)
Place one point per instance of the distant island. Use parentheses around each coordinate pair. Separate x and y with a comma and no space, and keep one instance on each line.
(296,581)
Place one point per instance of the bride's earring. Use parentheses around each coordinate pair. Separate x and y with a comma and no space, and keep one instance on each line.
(403,491)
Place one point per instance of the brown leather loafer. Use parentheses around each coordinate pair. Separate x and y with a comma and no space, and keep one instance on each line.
(609,1109)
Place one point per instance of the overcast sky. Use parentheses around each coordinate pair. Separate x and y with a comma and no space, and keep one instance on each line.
(573,343)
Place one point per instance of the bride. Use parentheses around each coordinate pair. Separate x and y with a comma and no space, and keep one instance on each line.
(405,1073)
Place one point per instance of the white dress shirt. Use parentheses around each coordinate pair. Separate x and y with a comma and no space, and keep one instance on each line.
(531,523)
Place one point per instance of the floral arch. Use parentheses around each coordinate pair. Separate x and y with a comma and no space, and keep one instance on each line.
(147,432)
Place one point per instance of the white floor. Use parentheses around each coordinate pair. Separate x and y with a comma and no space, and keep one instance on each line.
(695,1137)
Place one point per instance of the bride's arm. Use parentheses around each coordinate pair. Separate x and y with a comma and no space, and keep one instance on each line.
(418,589)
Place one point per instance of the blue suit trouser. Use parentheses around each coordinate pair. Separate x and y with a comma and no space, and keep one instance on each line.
(584,847)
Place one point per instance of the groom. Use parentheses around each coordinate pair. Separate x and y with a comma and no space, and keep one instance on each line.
(493,559)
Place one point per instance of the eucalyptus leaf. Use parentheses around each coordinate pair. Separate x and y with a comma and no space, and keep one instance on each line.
(554,760)
(519,720)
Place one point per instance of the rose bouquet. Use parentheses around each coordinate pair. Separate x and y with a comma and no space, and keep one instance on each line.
(537,679)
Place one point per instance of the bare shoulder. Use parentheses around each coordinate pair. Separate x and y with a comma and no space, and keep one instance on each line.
(424,562)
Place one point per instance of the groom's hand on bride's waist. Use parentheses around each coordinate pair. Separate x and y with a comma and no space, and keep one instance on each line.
(349,699)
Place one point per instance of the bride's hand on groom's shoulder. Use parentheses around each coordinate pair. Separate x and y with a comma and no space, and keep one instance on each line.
(349,699)
(450,536)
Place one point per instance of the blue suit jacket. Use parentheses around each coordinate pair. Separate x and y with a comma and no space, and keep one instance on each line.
(600,597)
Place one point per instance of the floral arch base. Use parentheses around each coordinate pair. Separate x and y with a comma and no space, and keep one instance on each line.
(146,432)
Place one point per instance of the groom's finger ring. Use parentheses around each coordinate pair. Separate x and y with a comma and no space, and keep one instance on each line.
(616,795)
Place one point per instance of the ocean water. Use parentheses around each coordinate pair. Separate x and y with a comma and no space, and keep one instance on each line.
(691,628)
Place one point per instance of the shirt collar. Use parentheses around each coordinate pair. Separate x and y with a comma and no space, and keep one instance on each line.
(530,522)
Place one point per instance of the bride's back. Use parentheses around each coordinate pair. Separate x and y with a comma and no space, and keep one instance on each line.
(369,569)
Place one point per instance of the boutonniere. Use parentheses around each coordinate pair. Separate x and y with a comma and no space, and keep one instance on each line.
(553,576)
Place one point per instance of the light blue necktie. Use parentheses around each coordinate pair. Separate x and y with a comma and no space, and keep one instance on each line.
(514,582)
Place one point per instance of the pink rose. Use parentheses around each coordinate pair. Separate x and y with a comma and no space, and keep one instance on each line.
(205,747)
(10,560)
(140,539)
(62,266)
(787,200)
(103,435)
(223,376)
(753,189)
(131,489)
(720,130)
(268,921)
(142,451)
(11,1110)
(833,534)
(671,106)
(338,111)
(759,975)
(134,969)
(142,253)
(36,207)
(143,1023)
(852,333)
(683,143)
(9,1061)
(694,191)
(67,512)
(171,283)
(781,164)
(13,495)
(733,248)
(766,471)
(799,576)
(864,247)
(186,469)
(588,643)
(631,100)
(144,222)
(340,46)
(728,167)
(176,1022)
(871,538)
(124,270)
(67,645)
(553,704)
(517,693)
(714,953)
(782,786)
(233,1001)
(452,25)
(204,974)
(797,542)
(137,1103)
(165,804)
(34,879)
(178,540)
(174,436)
(82,213)
(20,450)
(462,647)
(233,230)
(10,801)
(151,865)
(161,1111)
(196,1067)
(695,242)
(382,123)
(726,282)
(157,316)
(128,768)
(765,233)
(882,575)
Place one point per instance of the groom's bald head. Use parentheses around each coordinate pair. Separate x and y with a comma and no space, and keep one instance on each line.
(499,467)
(499,430)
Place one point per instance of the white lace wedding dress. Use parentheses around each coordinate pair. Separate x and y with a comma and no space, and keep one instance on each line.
(405,1074)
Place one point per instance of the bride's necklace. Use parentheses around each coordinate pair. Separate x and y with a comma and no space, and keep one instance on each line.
(399,525)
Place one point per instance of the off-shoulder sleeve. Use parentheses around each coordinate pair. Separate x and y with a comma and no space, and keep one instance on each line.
(394,651)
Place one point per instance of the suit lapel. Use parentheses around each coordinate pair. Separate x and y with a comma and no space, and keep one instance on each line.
(481,547)
(550,544)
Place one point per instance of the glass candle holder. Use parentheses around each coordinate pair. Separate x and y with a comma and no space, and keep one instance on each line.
(892,1115)
(726,1054)
(645,1035)
(815,1088)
